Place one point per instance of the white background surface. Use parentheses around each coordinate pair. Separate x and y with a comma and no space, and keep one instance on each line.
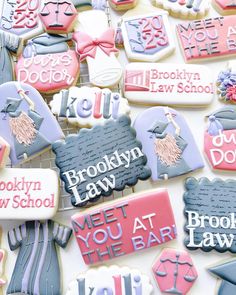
(71,260)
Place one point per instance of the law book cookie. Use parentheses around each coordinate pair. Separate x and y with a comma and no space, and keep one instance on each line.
(210,214)
(48,64)
(28,193)
(111,280)
(4,152)
(147,34)
(220,139)
(97,161)
(167,142)
(123,4)
(124,226)
(21,18)
(186,9)
(225,7)
(2,266)
(95,43)
(209,38)
(168,84)
(27,123)
(37,270)
(58,17)
(88,106)
(226,83)
(174,271)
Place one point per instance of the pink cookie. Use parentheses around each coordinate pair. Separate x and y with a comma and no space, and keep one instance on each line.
(4,152)
(174,272)
(225,7)
(2,266)
(123,4)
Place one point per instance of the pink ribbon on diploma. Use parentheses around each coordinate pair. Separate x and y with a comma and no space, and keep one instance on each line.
(87,46)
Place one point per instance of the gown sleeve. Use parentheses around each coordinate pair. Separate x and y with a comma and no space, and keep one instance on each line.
(61,234)
(16,236)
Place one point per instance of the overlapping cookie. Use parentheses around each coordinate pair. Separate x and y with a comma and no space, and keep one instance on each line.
(226,83)
(225,7)
(2,266)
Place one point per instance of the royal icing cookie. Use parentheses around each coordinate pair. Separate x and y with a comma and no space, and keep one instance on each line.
(226,273)
(97,161)
(2,265)
(220,139)
(4,152)
(37,269)
(187,9)
(27,124)
(88,106)
(48,64)
(147,35)
(208,38)
(226,83)
(210,214)
(95,43)
(28,193)
(168,84)
(21,17)
(167,142)
(123,4)
(174,271)
(82,5)
(111,280)
(124,226)
(58,16)
(225,7)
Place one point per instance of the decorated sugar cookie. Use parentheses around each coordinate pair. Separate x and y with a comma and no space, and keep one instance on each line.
(97,161)
(58,16)
(225,7)
(111,280)
(27,124)
(168,84)
(4,152)
(226,83)
(210,214)
(2,265)
(187,9)
(225,272)
(88,106)
(21,18)
(174,271)
(167,142)
(37,269)
(82,5)
(220,139)
(124,226)
(123,4)
(28,193)
(95,43)
(48,64)
(209,38)
(147,35)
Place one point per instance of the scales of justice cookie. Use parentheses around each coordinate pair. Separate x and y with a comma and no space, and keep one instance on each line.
(97,161)
(186,9)
(226,83)
(210,214)
(37,270)
(209,38)
(220,139)
(225,7)
(88,106)
(174,271)
(124,226)
(168,84)
(28,193)
(111,280)
(27,124)
(167,142)
(147,34)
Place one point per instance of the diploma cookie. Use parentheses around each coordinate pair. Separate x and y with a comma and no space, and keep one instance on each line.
(225,7)
(58,16)
(21,18)
(88,106)
(2,265)
(95,43)
(210,214)
(168,84)
(27,123)
(97,161)
(186,9)
(220,139)
(124,226)
(167,142)
(123,4)
(147,34)
(48,64)
(111,280)
(28,193)
(174,271)
(37,269)
(225,272)
(4,152)
(226,83)
(210,38)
